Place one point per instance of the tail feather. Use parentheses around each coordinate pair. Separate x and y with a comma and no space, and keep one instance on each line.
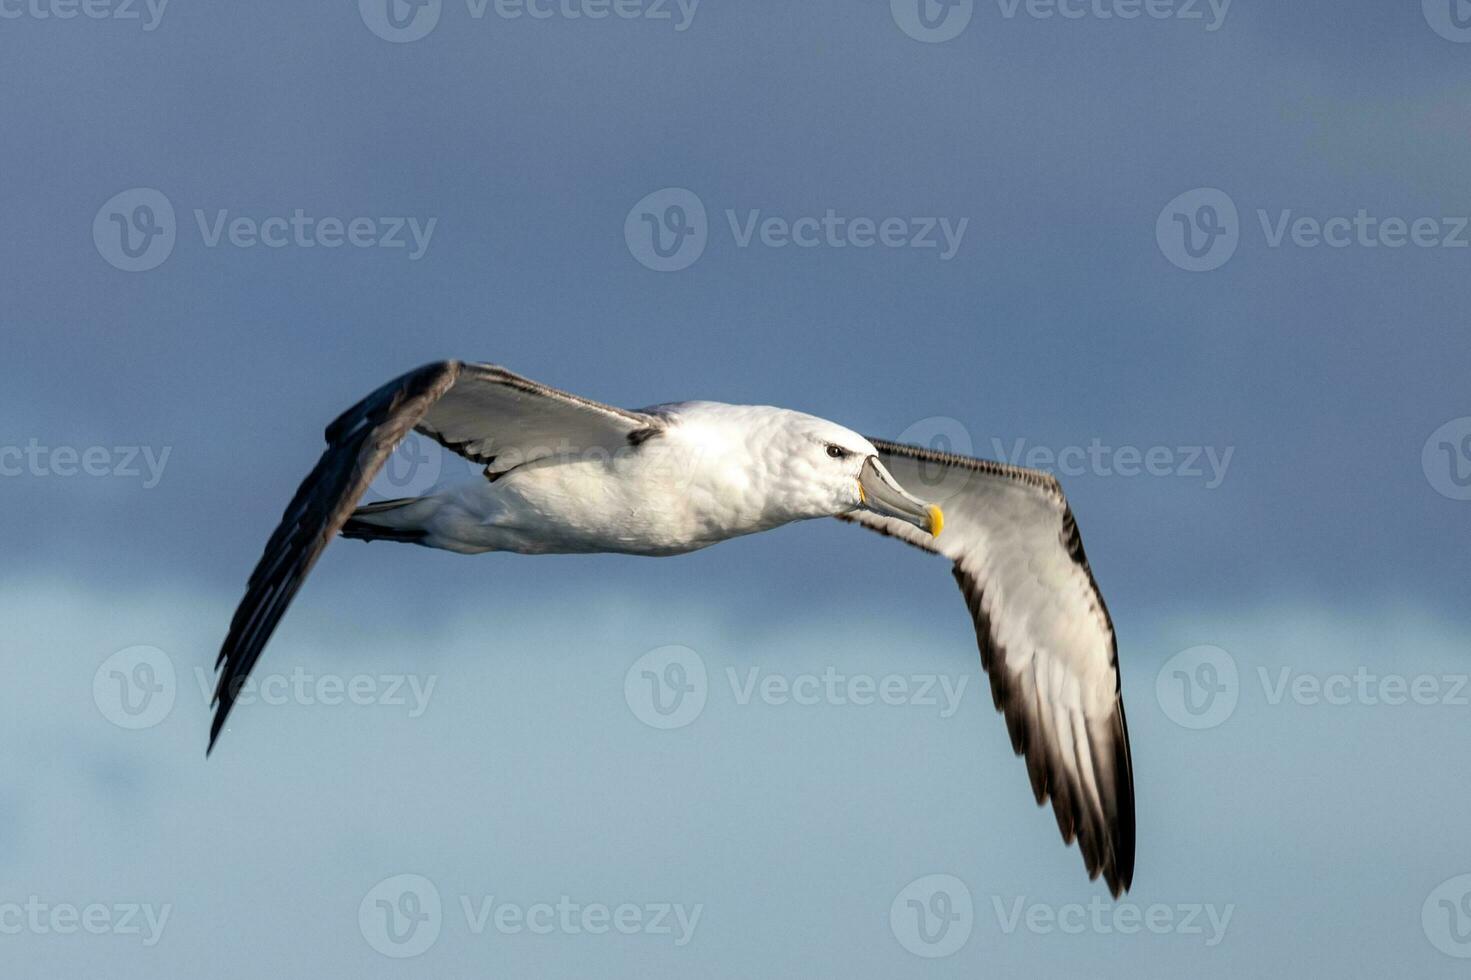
(361,526)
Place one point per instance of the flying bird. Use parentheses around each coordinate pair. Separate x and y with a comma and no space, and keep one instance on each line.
(564,474)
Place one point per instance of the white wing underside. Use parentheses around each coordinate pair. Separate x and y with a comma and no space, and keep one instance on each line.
(501,419)
(1044,633)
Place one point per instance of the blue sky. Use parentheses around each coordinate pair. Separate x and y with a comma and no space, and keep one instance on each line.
(1327,384)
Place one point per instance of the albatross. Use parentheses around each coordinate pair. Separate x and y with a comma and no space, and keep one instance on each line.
(564,474)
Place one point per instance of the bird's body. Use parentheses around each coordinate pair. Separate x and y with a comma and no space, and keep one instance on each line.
(712,472)
(564,474)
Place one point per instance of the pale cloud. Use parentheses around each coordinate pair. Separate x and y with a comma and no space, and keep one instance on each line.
(528,765)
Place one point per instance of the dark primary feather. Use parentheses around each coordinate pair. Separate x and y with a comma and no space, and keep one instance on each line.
(358,443)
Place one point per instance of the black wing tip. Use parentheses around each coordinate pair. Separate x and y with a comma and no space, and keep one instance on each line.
(1125,823)
(1119,875)
(1113,861)
(1117,870)
(215,727)
(222,703)
(1113,851)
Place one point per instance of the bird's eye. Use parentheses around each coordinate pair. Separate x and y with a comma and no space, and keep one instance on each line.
(837,452)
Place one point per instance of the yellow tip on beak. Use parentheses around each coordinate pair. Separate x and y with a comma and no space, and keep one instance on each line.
(937,520)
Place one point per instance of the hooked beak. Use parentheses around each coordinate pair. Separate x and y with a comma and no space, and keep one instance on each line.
(880,494)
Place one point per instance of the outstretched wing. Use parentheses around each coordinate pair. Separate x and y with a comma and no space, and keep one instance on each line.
(1045,637)
(481,411)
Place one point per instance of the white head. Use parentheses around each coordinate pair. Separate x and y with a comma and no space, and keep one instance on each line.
(818,468)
